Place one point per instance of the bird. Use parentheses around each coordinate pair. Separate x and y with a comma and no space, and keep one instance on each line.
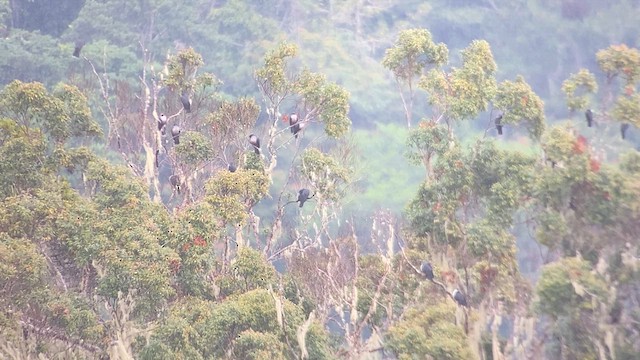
(294,124)
(427,270)
(303,195)
(623,130)
(162,122)
(459,297)
(498,122)
(186,101)
(255,142)
(78,48)
(589,115)
(232,167)
(175,182)
(175,133)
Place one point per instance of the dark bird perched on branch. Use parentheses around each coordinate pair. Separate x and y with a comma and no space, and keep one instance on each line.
(498,122)
(175,182)
(175,133)
(232,167)
(427,270)
(459,297)
(255,142)
(623,130)
(162,122)
(78,48)
(186,101)
(303,195)
(589,115)
(294,124)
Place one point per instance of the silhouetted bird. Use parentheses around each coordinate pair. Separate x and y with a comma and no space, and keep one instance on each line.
(255,142)
(162,121)
(623,130)
(427,270)
(78,48)
(175,182)
(303,195)
(232,167)
(175,133)
(294,124)
(186,101)
(589,115)
(459,297)
(498,122)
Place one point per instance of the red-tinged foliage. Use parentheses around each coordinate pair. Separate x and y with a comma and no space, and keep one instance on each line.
(175,265)
(580,146)
(436,207)
(459,164)
(595,165)
(199,241)
(524,100)
(186,247)
(285,118)
(629,90)
(448,277)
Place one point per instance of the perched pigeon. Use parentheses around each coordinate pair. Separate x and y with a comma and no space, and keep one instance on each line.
(186,101)
(427,270)
(303,195)
(498,122)
(589,115)
(175,133)
(459,297)
(255,142)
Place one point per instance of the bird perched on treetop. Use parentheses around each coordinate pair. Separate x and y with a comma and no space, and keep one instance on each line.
(623,130)
(459,297)
(175,132)
(162,122)
(589,115)
(294,125)
(427,270)
(175,182)
(255,142)
(78,48)
(498,122)
(186,101)
(303,195)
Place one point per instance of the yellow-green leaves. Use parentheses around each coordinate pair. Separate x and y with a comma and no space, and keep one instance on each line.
(466,91)
(194,148)
(578,88)
(324,172)
(567,286)
(627,109)
(413,51)
(233,194)
(520,103)
(620,60)
(182,70)
(326,101)
(272,77)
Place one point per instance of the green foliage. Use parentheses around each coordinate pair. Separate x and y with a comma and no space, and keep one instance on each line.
(252,271)
(627,109)
(620,60)
(425,141)
(520,104)
(325,173)
(182,70)
(429,332)
(327,101)
(232,194)
(272,76)
(578,87)
(414,50)
(22,272)
(466,91)
(194,148)
(568,286)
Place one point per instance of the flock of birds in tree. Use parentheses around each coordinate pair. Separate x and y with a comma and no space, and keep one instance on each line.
(588,116)
(427,270)
(294,125)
